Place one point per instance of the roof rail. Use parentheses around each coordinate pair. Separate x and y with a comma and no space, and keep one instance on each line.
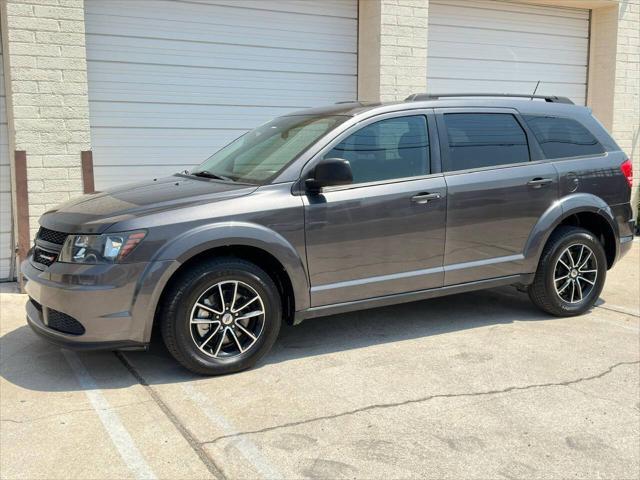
(436,96)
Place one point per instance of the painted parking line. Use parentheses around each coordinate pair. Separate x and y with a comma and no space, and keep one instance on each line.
(110,419)
(246,447)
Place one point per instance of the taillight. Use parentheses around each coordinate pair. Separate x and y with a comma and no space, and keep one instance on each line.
(627,171)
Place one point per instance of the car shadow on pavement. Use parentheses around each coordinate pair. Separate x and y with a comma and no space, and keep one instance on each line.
(32,363)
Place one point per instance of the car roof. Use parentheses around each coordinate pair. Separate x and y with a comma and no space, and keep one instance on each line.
(524,105)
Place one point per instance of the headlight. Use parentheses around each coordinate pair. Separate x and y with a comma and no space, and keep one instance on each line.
(107,248)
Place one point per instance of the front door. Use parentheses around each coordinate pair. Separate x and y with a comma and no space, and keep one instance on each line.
(498,188)
(384,234)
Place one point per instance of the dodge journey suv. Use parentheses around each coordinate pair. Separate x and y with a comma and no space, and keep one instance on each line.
(335,209)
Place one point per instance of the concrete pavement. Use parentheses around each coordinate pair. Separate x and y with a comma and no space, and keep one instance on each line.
(480,385)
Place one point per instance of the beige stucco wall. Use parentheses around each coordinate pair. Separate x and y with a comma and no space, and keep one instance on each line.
(47,101)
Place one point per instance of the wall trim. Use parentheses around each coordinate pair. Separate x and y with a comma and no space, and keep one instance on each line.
(22,207)
(88,180)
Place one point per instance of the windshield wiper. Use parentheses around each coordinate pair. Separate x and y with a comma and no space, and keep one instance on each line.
(207,174)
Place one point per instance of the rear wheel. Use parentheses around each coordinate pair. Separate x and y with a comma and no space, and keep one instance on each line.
(570,274)
(221,316)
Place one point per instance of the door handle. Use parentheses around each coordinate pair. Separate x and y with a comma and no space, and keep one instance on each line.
(423,198)
(539,182)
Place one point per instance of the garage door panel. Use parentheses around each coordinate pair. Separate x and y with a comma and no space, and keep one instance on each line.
(111,176)
(203,95)
(501,47)
(500,7)
(235,13)
(148,156)
(468,16)
(5,268)
(5,210)
(6,227)
(504,70)
(248,36)
(479,51)
(338,8)
(5,181)
(147,51)
(157,115)
(461,35)
(170,82)
(228,25)
(122,138)
(181,84)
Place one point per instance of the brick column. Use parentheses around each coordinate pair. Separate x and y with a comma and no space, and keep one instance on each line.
(392,61)
(614,77)
(626,100)
(47,102)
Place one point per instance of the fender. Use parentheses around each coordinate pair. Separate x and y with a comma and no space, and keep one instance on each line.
(192,242)
(555,215)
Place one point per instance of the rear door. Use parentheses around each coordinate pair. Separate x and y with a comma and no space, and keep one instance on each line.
(498,187)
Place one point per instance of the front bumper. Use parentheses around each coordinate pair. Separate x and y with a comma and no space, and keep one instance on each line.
(112,303)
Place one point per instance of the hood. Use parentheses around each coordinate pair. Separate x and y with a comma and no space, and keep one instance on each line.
(94,213)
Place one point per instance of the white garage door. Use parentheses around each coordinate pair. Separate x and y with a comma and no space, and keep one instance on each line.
(170,82)
(500,47)
(6,249)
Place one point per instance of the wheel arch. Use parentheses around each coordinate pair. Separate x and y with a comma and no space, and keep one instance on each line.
(582,210)
(255,243)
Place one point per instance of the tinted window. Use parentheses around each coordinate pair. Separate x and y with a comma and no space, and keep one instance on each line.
(484,140)
(563,137)
(393,148)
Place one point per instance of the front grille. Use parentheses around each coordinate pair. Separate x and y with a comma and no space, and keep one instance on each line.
(51,236)
(36,304)
(64,323)
(44,257)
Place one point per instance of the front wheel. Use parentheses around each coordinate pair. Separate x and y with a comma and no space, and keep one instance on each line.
(221,316)
(570,274)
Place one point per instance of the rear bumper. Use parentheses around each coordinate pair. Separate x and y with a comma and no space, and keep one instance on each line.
(112,303)
(625,245)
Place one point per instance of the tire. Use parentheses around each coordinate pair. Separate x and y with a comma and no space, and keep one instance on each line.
(201,337)
(575,293)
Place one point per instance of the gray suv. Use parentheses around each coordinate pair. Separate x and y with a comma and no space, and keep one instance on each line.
(335,209)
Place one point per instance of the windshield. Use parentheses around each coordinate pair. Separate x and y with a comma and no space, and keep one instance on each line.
(260,154)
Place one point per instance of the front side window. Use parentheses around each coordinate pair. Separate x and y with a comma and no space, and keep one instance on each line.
(385,150)
(484,140)
(262,153)
(563,137)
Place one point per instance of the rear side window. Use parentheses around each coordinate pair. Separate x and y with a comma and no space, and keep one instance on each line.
(484,140)
(385,150)
(563,137)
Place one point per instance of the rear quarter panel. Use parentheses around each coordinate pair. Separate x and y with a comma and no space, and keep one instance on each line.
(600,176)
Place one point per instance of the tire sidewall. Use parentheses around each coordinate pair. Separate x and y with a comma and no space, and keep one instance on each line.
(587,302)
(183,305)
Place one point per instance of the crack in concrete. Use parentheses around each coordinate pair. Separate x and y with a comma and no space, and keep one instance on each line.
(208,462)
(381,406)
(616,309)
(69,412)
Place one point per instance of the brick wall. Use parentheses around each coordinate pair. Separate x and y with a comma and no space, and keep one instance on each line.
(47,102)
(403,48)
(393,49)
(626,101)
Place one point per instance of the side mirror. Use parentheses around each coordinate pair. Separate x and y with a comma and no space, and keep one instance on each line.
(329,172)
